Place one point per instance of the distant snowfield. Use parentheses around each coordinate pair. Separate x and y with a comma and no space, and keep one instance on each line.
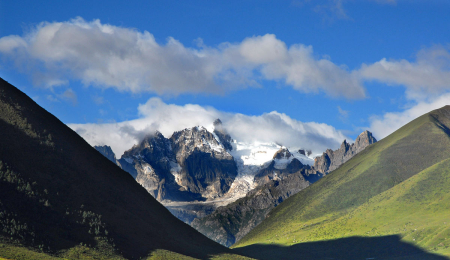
(250,159)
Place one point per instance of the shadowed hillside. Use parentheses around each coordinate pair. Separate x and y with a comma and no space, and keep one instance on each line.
(60,197)
(398,185)
(351,248)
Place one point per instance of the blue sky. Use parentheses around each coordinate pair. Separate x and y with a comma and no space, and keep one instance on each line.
(350,65)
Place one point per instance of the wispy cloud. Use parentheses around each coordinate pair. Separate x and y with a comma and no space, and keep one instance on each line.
(343,114)
(108,56)
(69,95)
(332,10)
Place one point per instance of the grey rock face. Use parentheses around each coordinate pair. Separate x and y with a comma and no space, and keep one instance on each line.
(191,165)
(331,160)
(106,151)
(283,153)
(188,212)
(207,168)
(150,163)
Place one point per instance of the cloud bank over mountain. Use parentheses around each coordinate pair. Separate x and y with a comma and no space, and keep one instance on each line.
(167,118)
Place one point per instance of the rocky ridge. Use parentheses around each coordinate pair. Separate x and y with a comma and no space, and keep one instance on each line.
(62,199)
(330,160)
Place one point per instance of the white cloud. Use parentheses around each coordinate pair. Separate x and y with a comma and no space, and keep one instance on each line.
(10,43)
(106,56)
(382,126)
(427,83)
(167,118)
(430,73)
(298,68)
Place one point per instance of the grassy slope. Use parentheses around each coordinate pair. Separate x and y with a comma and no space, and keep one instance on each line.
(16,252)
(368,196)
(58,193)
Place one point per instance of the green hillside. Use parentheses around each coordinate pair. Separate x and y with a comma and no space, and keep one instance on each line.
(396,188)
(61,199)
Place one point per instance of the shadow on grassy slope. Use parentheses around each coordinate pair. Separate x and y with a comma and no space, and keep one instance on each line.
(361,248)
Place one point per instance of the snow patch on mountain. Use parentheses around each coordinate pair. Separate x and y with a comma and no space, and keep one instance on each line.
(282,163)
(175,170)
(250,158)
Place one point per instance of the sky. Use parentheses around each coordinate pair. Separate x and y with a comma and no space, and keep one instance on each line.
(302,73)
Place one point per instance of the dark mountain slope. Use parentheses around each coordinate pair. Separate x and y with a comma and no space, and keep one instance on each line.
(57,192)
(108,153)
(395,186)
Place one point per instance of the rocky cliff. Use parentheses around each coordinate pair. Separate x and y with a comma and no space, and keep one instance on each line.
(330,160)
(190,165)
(206,167)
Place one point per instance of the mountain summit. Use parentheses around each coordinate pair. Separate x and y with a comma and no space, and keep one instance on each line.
(191,165)
(330,160)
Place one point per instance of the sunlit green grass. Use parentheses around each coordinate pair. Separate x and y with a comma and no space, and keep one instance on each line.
(396,186)
(10,252)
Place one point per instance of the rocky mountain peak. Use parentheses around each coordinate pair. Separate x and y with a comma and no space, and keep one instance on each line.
(363,140)
(331,160)
(217,122)
(153,144)
(187,140)
(191,165)
(305,152)
(222,134)
(283,153)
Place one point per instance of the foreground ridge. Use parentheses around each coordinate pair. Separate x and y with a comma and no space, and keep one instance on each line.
(59,197)
(396,187)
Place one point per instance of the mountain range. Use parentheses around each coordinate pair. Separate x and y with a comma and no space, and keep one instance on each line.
(194,174)
(62,199)
(229,223)
(197,169)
